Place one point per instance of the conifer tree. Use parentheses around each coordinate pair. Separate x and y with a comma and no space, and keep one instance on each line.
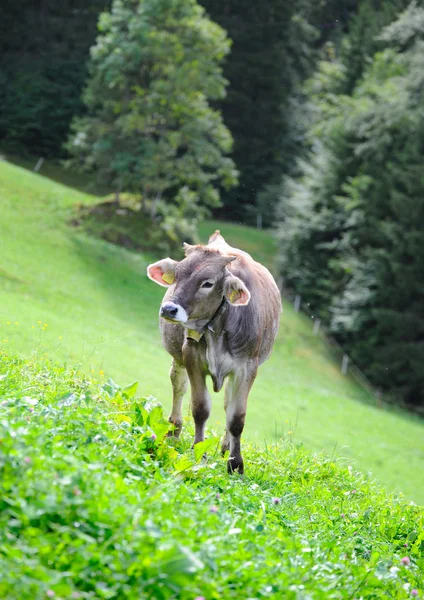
(149,128)
(353,222)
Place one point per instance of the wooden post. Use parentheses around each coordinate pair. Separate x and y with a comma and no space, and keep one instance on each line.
(280,283)
(297,301)
(345,363)
(38,165)
(259,221)
(316,326)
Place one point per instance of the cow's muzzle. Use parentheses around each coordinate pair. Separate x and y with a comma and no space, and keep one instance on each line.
(173,312)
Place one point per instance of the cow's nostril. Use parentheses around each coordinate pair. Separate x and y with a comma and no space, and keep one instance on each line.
(169,310)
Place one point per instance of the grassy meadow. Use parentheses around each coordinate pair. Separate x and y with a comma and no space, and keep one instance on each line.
(96,504)
(70,298)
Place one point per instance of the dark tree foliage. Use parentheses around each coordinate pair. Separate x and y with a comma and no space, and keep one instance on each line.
(274,49)
(362,40)
(257,70)
(260,70)
(44,46)
(354,220)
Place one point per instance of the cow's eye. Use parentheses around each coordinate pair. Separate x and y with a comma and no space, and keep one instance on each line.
(207,284)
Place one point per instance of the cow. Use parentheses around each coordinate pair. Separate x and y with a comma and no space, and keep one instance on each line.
(219,317)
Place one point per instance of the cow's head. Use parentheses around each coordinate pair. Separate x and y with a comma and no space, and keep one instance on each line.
(199,283)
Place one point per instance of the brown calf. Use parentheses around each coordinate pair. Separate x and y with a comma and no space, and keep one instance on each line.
(219,317)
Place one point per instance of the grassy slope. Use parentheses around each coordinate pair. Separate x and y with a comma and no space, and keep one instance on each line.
(101,311)
(94,503)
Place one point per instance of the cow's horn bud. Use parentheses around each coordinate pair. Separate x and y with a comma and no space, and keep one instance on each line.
(188,248)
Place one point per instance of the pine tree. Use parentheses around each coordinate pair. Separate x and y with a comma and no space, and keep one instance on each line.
(353,222)
(149,128)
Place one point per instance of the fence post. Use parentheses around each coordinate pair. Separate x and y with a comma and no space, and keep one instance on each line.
(296,304)
(280,284)
(316,326)
(345,363)
(38,165)
(259,221)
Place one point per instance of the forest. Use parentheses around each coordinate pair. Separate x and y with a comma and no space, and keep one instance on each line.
(304,117)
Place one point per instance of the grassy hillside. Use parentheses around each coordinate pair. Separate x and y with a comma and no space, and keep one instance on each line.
(80,300)
(95,503)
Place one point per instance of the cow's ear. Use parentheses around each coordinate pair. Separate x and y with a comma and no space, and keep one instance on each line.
(235,291)
(163,271)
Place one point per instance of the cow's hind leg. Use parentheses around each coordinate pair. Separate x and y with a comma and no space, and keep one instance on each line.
(238,390)
(178,375)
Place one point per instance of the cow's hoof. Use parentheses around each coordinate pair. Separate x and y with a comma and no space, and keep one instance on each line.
(225,444)
(235,465)
(176,429)
(225,447)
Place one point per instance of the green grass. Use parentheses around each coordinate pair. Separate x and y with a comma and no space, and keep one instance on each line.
(101,312)
(96,503)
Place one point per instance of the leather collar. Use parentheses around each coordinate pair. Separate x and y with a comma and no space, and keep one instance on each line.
(196,336)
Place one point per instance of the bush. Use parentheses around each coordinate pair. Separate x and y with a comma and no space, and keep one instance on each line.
(124,222)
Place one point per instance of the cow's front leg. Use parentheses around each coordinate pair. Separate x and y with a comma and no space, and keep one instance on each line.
(225,444)
(179,382)
(237,391)
(200,404)
(200,398)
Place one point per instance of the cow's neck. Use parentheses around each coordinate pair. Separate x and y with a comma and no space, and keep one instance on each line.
(218,358)
(197,334)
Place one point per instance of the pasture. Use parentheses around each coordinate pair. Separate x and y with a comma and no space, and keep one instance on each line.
(95,504)
(69,298)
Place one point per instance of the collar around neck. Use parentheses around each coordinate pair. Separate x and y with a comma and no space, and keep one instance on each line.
(192,334)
